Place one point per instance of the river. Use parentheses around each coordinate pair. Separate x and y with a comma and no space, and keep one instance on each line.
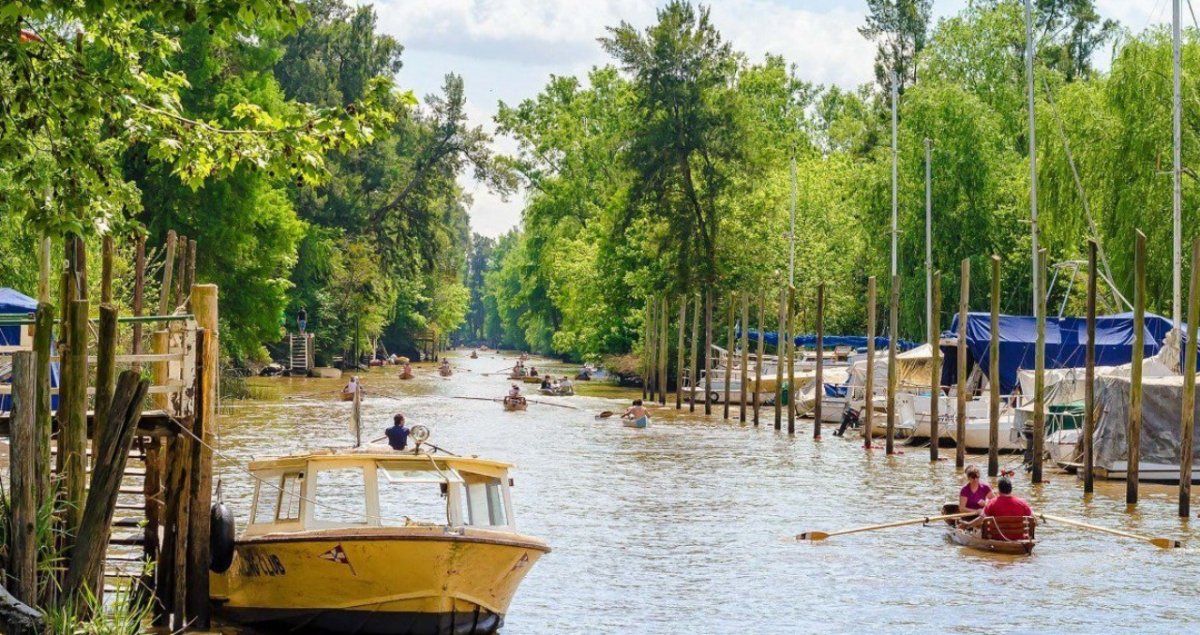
(687,526)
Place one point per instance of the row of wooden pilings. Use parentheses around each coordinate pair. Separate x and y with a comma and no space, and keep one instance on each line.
(176,437)
(656,354)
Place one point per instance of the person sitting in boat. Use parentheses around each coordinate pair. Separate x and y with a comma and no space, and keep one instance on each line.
(351,387)
(566,383)
(1004,505)
(397,435)
(546,382)
(975,495)
(533,371)
(515,391)
(636,411)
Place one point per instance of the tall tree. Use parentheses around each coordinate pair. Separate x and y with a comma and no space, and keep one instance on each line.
(899,29)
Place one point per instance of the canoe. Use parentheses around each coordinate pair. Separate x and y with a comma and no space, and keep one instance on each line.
(640,422)
(532,380)
(994,535)
(512,404)
(557,392)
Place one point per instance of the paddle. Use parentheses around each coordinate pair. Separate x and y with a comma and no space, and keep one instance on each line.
(817,536)
(604,415)
(1161,543)
(544,403)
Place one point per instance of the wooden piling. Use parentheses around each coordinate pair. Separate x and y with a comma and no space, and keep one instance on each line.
(189,279)
(708,309)
(679,353)
(935,365)
(993,469)
(44,271)
(693,368)
(762,308)
(647,321)
(21,566)
(168,270)
(1039,372)
(159,497)
(178,291)
(139,294)
(869,389)
(1188,418)
(205,306)
(42,337)
(174,554)
(1089,374)
(745,381)
(1133,433)
(781,353)
(728,353)
(819,372)
(72,436)
(960,432)
(893,326)
(664,353)
(106,366)
(85,571)
(791,360)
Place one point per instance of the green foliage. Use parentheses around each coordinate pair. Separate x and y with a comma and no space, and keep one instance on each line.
(898,28)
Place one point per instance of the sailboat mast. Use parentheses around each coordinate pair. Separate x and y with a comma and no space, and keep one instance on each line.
(895,169)
(1033,203)
(1177,166)
(929,240)
(792,231)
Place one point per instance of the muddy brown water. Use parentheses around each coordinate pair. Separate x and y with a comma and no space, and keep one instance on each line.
(686,527)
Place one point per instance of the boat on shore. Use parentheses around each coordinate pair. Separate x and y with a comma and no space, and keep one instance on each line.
(1006,535)
(377,542)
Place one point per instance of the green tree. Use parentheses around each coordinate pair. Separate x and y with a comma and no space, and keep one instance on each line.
(899,29)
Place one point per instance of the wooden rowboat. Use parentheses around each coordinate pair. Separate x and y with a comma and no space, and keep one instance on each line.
(1012,535)
(532,380)
(512,404)
(347,396)
(407,375)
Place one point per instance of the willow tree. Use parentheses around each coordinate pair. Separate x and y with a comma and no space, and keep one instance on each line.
(687,138)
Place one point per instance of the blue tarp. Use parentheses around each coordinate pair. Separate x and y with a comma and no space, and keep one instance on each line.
(810,340)
(13,302)
(1066,341)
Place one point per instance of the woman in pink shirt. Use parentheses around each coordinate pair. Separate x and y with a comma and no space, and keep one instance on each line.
(975,494)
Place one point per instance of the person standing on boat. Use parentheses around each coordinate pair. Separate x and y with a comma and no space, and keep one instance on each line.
(397,435)
(975,495)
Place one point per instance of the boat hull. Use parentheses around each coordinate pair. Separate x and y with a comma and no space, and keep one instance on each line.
(379,581)
(973,540)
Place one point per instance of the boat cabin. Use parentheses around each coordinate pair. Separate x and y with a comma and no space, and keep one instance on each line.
(373,488)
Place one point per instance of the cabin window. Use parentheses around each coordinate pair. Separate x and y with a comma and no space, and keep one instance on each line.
(268,500)
(485,501)
(341,496)
(410,496)
(289,497)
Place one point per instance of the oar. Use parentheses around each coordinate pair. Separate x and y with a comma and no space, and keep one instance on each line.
(1162,543)
(604,415)
(556,405)
(502,370)
(816,536)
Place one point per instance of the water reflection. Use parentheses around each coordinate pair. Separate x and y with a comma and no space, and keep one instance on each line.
(685,526)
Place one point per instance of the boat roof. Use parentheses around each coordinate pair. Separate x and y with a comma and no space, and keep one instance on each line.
(380,453)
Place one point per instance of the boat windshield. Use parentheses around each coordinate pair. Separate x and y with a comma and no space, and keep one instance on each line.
(416,496)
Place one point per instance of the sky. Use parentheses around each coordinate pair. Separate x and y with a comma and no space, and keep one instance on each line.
(506,50)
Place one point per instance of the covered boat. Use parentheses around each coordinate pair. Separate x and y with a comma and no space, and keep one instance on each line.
(375,541)
(1162,403)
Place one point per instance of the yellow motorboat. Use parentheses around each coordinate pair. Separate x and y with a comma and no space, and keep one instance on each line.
(376,541)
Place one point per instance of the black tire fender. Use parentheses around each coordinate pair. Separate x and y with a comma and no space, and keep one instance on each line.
(221,536)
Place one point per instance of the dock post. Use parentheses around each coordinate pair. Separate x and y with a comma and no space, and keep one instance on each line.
(745,380)
(729,344)
(72,436)
(664,353)
(1089,374)
(679,353)
(23,479)
(935,366)
(781,353)
(139,295)
(819,374)
(1134,433)
(762,307)
(693,368)
(178,289)
(42,337)
(1039,371)
(893,326)
(1188,420)
(204,300)
(791,362)
(993,469)
(647,320)
(159,494)
(168,269)
(708,333)
(964,299)
(106,368)
(869,399)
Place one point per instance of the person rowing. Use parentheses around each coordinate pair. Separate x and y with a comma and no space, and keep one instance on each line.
(515,391)
(1004,505)
(637,415)
(975,495)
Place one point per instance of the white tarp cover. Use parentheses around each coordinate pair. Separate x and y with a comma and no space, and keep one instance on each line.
(1162,399)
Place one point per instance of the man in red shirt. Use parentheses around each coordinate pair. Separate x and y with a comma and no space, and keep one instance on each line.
(1004,505)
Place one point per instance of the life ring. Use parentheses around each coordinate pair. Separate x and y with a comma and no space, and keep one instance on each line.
(220,538)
